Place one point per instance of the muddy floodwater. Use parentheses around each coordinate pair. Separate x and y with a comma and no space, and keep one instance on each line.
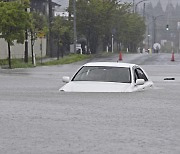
(36,118)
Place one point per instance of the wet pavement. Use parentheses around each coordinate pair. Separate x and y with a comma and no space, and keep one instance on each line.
(36,118)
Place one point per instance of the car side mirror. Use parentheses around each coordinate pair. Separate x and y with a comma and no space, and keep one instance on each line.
(66,79)
(140,81)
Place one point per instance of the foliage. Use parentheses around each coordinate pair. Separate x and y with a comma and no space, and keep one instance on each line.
(93,19)
(118,23)
(61,29)
(39,27)
(97,20)
(39,23)
(134,32)
(70,9)
(14,20)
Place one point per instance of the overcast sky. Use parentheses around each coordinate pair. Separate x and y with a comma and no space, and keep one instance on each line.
(64,3)
(154,2)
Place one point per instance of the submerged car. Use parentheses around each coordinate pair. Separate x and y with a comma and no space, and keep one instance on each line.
(107,77)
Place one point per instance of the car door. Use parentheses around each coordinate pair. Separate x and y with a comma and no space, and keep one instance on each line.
(140,74)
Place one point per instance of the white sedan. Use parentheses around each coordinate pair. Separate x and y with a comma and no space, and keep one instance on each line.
(107,77)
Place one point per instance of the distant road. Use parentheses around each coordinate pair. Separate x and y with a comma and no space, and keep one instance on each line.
(144,59)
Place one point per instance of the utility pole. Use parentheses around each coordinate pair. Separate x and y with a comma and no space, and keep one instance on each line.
(179,41)
(112,44)
(154,24)
(75,34)
(148,36)
(154,30)
(50,29)
(144,11)
(133,6)
(32,46)
(154,18)
(26,44)
(178,28)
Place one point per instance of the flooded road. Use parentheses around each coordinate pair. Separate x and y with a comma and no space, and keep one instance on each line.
(36,118)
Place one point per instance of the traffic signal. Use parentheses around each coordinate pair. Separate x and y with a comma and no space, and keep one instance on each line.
(167,27)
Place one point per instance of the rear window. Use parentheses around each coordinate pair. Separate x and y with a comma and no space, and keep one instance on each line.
(103,74)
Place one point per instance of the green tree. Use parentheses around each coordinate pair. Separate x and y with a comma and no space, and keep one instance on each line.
(134,32)
(39,22)
(61,29)
(70,9)
(113,21)
(14,20)
(39,27)
(93,20)
(108,26)
(97,20)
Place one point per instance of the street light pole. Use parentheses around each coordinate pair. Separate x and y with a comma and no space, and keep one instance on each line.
(144,11)
(178,28)
(26,47)
(26,44)
(135,9)
(112,43)
(154,23)
(133,6)
(154,30)
(148,37)
(75,34)
(50,29)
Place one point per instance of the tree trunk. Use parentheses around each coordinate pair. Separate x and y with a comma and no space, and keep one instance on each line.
(93,44)
(9,55)
(26,48)
(32,47)
(88,42)
(58,49)
(62,51)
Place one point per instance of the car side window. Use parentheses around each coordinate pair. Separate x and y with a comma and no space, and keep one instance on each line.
(139,74)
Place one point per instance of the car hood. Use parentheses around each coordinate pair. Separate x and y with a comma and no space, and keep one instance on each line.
(92,86)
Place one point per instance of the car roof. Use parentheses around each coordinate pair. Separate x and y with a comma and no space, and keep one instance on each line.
(110,64)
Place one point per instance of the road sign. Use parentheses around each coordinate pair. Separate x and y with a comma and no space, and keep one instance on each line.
(157,46)
(40,34)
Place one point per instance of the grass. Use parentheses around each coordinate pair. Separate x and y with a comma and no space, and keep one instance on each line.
(66,60)
(3,62)
(15,63)
(19,63)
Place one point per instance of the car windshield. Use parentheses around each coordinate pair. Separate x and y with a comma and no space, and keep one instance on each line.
(103,74)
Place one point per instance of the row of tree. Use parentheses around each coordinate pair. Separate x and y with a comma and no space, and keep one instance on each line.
(18,21)
(97,21)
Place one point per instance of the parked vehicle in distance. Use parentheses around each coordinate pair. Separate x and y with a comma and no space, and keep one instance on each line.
(107,77)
